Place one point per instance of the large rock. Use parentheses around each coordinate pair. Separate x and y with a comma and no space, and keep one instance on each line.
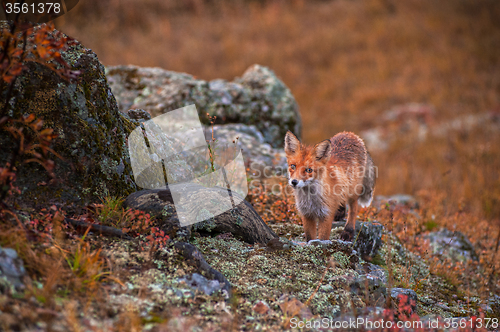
(258,98)
(92,132)
(452,245)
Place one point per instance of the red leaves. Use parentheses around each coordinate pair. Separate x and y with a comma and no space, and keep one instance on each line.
(31,140)
(157,238)
(273,202)
(34,142)
(141,225)
(42,44)
(7,178)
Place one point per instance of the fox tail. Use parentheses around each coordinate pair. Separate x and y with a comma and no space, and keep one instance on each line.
(368,182)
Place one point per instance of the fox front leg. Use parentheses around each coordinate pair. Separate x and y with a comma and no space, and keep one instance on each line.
(325,227)
(309,228)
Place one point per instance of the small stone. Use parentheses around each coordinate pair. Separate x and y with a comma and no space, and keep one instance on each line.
(12,268)
(371,286)
(138,114)
(199,282)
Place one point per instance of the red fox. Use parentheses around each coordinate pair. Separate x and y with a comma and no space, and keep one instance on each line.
(334,173)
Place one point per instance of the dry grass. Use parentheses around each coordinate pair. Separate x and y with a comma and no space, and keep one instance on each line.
(346,62)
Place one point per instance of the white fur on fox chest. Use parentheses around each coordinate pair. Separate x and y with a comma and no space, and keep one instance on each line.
(310,202)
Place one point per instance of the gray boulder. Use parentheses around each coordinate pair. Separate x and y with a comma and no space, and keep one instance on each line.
(199,282)
(92,133)
(257,98)
(452,245)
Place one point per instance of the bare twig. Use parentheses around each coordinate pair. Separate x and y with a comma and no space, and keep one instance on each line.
(103,230)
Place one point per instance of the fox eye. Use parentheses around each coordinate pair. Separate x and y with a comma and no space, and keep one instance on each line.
(309,170)
(292,167)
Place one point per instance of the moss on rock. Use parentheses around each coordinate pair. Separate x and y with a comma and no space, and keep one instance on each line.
(92,133)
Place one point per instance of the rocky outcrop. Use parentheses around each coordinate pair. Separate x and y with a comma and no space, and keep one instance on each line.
(91,132)
(257,98)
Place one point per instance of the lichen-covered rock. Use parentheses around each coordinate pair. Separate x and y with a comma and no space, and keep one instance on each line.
(452,245)
(369,287)
(138,114)
(92,133)
(257,98)
(398,199)
(199,282)
(367,238)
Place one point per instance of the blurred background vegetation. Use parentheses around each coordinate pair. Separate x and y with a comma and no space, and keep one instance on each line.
(347,62)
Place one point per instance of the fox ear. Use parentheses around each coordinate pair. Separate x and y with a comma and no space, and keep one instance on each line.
(322,149)
(292,143)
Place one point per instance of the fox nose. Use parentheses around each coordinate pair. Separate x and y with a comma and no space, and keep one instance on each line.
(294,182)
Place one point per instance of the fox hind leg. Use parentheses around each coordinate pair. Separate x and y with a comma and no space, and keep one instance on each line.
(340,214)
(348,233)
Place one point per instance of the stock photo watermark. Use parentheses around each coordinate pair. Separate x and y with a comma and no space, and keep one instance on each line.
(361,323)
(35,11)
(170,151)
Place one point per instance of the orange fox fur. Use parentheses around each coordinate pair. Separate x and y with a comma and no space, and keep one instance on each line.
(334,173)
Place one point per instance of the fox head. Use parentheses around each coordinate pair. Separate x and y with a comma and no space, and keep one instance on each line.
(305,162)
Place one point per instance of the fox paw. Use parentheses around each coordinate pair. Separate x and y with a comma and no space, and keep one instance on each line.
(347,235)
